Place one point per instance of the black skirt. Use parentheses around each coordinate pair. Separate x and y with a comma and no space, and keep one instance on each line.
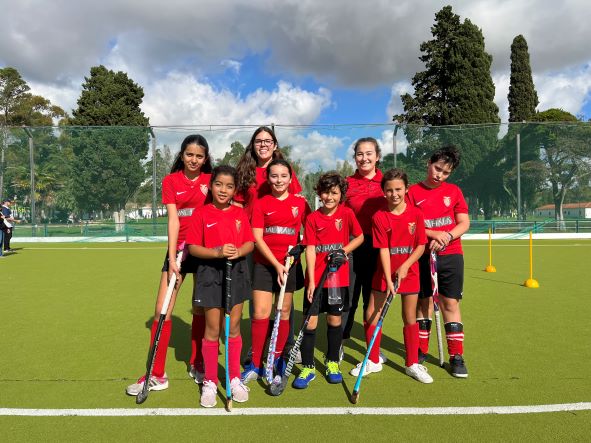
(210,289)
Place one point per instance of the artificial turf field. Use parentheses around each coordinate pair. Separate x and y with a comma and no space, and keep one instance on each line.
(75,333)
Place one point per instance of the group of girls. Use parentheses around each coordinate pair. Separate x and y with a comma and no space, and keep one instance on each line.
(371,221)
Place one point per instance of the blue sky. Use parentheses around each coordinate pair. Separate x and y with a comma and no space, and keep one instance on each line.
(288,62)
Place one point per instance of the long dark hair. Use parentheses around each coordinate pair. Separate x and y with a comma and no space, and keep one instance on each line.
(198,140)
(247,166)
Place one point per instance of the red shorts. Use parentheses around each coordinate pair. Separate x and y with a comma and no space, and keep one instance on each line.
(409,285)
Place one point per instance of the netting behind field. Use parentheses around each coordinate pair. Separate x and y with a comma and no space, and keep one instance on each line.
(104,182)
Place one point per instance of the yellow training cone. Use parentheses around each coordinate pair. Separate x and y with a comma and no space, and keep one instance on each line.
(530,282)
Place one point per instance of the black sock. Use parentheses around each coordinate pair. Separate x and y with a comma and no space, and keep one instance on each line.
(334,337)
(307,347)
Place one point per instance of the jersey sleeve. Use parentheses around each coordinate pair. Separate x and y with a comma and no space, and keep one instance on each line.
(461,206)
(246,231)
(354,226)
(195,231)
(421,236)
(168,196)
(258,219)
(309,232)
(378,230)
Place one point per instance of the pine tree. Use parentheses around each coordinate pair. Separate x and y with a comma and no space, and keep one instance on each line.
(523,98)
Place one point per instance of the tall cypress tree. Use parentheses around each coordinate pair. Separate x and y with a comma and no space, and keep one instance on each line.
(523,98)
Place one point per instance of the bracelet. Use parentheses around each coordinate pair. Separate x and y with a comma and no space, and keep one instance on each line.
(451,237)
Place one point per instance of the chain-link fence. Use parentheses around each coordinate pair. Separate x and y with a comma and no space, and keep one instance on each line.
(106,181)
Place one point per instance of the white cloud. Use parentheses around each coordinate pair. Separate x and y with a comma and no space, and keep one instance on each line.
(232,65)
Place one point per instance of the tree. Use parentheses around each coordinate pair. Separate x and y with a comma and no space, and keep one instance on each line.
(108,161)
(455,88)
(233,156)
(565,145)
(12,89)
(523,97)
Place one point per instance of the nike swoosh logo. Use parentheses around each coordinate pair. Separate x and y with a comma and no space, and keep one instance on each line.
(418,203)
(320,228)
(270,213)
(181,192)
(210,225)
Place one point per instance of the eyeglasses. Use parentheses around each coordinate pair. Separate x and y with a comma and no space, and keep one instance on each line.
(266,142)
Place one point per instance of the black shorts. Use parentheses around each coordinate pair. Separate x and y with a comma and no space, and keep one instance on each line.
(188,264)
(325,307)
(450,276)
(265,278)
(210,288)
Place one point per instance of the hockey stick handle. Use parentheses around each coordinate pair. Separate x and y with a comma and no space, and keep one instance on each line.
(435,283)
(171,285)
(227,302)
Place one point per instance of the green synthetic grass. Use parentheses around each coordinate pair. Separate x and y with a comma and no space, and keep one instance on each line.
(76,331)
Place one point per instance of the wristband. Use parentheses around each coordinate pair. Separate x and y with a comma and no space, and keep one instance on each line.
(451,237)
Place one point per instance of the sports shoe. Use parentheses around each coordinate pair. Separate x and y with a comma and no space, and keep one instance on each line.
(306,376)
(418,372)
(370,367)
(196,374)
(209,394)
(239,390)
(458,368)
(422,357)
(298,358)
(383,358)
(279,366)
(333,373)
(251,373)
(155,384)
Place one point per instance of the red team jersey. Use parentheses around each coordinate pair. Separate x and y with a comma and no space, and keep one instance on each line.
(329,233)
(365,197)
(440,206)
(212,227)
(401,234)
(281,221)
(187,195)
(261,188)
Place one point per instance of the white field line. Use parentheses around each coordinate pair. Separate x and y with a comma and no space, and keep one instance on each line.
(176,412)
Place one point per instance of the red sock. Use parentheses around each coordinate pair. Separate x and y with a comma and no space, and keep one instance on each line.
(411,343)
(234,350)
(374,355)
(259,330)
(455,342)
(281,337)
(160,360)
(210,351)
(197,331)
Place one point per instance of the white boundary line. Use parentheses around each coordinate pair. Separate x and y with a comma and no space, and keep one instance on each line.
(136,412)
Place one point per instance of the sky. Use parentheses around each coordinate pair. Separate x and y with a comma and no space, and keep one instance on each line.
(295,63)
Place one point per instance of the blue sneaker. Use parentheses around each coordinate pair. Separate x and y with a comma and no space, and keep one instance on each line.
(306,376)
(333,373)
(251,373)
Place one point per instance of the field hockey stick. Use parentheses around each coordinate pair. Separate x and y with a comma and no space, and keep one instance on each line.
(227,332)
(278,388)
(355,394)
(435,285)
(143,395)
(293,254)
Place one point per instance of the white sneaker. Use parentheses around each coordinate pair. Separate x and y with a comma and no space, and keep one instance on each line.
(209,393)
(419,372)
(155,384)
(298,358)
(383,358)
(196,375)
(370,367)
(239,390)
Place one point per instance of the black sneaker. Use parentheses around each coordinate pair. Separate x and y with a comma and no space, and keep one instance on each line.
(422,357)
(458,368)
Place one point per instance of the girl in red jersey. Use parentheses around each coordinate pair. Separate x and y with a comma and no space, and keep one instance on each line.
(399,233)
(446,220)
(364,197)
(328,231)
(276,222)
(183,190)
(221,231)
